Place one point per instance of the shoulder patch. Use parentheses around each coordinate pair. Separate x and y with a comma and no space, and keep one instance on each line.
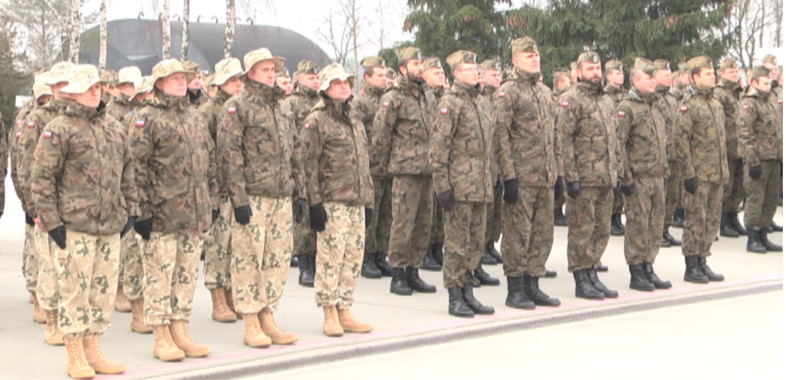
(140,123)
(18,123)
(47,134)
(30,124)
(745,106)
(780,101)
(501,94)
(683,108)
(307,126)
(386,104)
(564,104)
(231,110)
(443,111)
(18,134)
(621,113)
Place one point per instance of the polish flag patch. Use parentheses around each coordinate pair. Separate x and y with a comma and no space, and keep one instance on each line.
(18,123)
(683,109)
(443,111)
(780,101)
(18,134)
(307,126)
(386,104)
(231,110)
(745,107)
(30,124)
(621,114)
(140,123)
(565,104)
(47,134)
(501,94)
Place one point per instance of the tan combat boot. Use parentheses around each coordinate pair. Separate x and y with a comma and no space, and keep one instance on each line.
(221,311)
(39,314)
(121,301)
(95,357)
(331,327)
(254,336)
(138,317)
(231,302)
(179,332)
(165,349)
(52,335)
(350,324)
(77,364)
(271,328)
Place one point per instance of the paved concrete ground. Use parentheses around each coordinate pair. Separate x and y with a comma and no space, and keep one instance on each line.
(400,322)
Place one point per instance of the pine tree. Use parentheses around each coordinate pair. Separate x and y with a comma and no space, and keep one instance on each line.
(12,80)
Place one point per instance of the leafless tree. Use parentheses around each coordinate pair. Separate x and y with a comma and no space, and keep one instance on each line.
(229,31)
(184,45)
(166,32)
(102,37)
(41,28)
(75,30)
(749,25)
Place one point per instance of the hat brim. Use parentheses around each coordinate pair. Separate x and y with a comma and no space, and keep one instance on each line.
(189,75)
(79,88)
(344,76)
(278,61)
(219,80)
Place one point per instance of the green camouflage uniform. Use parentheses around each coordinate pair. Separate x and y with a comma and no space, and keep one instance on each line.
(437,224)
(666,104)
(617,94)
(494,210)
(559,202)
(728,94)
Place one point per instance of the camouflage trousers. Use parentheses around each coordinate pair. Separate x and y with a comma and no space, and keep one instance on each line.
(644,225)
(378,231)
(47,290)
(673,192)
(132,275)
(218,255)
(410,230)
(339,255)
(734,191)
(437,223)
(29,260)
(588,227)
(465,227)
(702,218)
(528,232)
(171,263)
(619,202)
(494,214)
(261,251)
(305,237)
(762,201)
(87,274)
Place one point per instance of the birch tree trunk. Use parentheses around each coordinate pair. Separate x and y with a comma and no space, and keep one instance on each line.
(74,32)
(184,45)
(229,32)
(166,33)
(102,38)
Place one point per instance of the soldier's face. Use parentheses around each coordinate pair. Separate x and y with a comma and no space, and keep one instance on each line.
(196,82)
(705,79)
(90,98)
(127,89)
(263,72)
(434,77)
(492,77)
(285,83)
(56,90)
(730,74)
(563,83)
(377,78)
(589,72)
(773,70)
(527,61)
(414,69)
(663,77)
(467,73)
(615,77)
(310,80)
(233,86)
(762,84)
(173,85)
(339,90)
(645,84)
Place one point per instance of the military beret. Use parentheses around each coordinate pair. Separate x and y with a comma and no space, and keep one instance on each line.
(614,65)
(759,72)
(701,61)
(661,64)
(371,62)
(524,44)
(191,66)
(409,52)
(431,63)
(645,65)
(461,56)
(490,64)
(728,62)
(284,73)
(588,56)
(770,58)
(307,67)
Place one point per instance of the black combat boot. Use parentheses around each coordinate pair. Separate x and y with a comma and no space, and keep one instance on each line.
(665,243)
(369,268)
(306,266)
(559,218)
(473,303)
(516,296)
(533,292)
(293,261)
(617,228)
(550,274)
(592,274)
(638,280)
(456,304)
(416,283)
(712,276)
(735,223)
(754,242)
(775,227)
(437,252)
(654,279)
(602,268)
(584,288)
(771,247)
(381,259)
(484,277)
(398,282)
(672,240)
(726,229)
(693,272)
(492,251)
(429,263)
(679,218)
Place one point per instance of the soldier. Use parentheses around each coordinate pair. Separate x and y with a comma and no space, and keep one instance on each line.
(108,80)
(390,77)
(175,177)
(615,78)
(770,62)
(490,80)
(728,92)
(434,76)
(400,144)
(284,81)
(561,82)
(761,140)
(119,106)
(218,255)
(299,104)
(700,140)
(340,195)
(680,80)
(642,139)
(530,163)
(208,87)
(85,196)
(587,129)
(366,105)
(195,94)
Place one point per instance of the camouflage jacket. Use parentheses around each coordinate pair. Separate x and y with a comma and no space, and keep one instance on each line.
(677,92)
(176,176)
(4,160)
(26,143)
(365,107)
(119,107)
(617,94)
(14,133)
(462,145)
(213,111)
(84,173)
(400,141)
(488,93)
(299,104)
(761,136)
(260,149)
(529,145)
(700,138)
(587,127)
(642,137)
(666,104)
(777,99)
(335,156)
(729,94)
(197,98)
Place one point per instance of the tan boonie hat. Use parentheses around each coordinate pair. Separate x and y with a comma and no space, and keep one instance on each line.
(332,72)
(129,74)
(759,72)
(701,61)
(369,63)
(645,65)
(662,64)
(168,67)
(108,76)
(145,85)
(226,69)
(192,66)
(588,56)
(307,67)
(40,88)
(84,77)
(263,54)
(282,73)
(524,44)
(728,62)
(432,63)
(491,64)
(461,56)
(769,58)
(409,52)
(614,65)
(60,72)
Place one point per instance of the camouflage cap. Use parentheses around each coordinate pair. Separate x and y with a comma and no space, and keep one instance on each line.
(491,64)
(701,61)
(390,73)
(83,77)
(60,72)
(295,77)
(759,72)
(560,72)
(588,56)
(307,67)
(263,54)
(461,56)
(191,66)
(409,52)
(369,63)
(282,73)
(226,69)
(770,58)
(645,65)
(614,65)
(40,88)
(524,44)
(432,63)
(108,76)
(129,74)
(332,72)
(662,64)
(728,62)
(145,85)
(168,67)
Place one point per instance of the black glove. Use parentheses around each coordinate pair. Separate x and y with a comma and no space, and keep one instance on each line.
(29,220)
(129,225)
(618,187)
(369,215)
(300,209)
(58,234)
(559,187)
(243,214)
(446,199)
(215,215)
(511,191)
(318,217)
(143,228)
(627,190)
(691,184)
(755,172)
(574,189)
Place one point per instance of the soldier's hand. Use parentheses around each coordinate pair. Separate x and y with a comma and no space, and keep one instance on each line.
(243,214)
(215,215)
(446,199)
(628,190)
(143,228)
(618,188)
(574,189)
(29,220)
(300,209)
(691,184)
(317,217)
(58,234)
(129,225)
(755,172)
(559,187)
(511,191)
(369,216)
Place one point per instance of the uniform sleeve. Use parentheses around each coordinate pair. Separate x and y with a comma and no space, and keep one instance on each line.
(212,172)
(296,161)
(683,129)
(49,156)
(141,150)
(230,144)
(440,145)
(624,120)
(128,178)
(566,127)
(504,109)
(746,120)
(27,145)
(382,131)
(312,151)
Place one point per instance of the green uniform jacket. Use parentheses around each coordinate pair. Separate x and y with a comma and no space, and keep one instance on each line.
(642,137)
(666,104)
(365,108)
(701,138)
(728,94)
(761,136)
(213,110)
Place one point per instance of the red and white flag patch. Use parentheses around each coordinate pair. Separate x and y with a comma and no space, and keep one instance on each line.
(307,126)
(47,134)
(18,134)
(18,123)
(565,104)
(501,94)
(30,124)
(443,111)
(621,113)
(745,107)
(780,101)
(386,104)
(683,109)
(140,123)
(231,110)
